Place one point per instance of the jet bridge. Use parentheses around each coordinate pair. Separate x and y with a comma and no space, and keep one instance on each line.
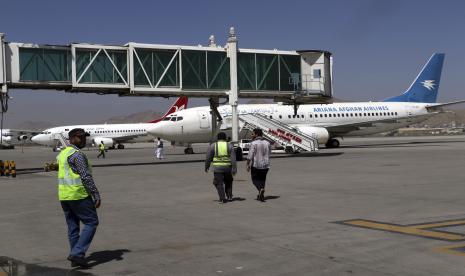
(137,69)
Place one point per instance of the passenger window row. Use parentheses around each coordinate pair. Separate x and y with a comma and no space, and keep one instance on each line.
(120,131)
(365,114)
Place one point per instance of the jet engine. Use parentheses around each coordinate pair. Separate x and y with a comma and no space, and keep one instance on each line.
(6,138)
(320,133)
(107,141)
(22,137)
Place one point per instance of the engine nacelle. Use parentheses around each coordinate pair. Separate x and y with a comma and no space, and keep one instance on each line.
(320,133)
(22,137)
(108,142)
(6,138)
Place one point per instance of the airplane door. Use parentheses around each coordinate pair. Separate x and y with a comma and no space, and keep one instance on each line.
(204,119)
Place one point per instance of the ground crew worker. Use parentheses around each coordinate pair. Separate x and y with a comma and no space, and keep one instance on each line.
(160,154)
(258,161)
(101,149)
(223,159)
(78,195)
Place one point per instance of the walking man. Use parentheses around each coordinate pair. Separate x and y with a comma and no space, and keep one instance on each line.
(78,195)
(258,161)
(223,159)
(160,154)
(101,149)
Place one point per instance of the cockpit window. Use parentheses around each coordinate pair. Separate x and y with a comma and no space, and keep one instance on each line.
(167,119)
(179,118)
(173,119)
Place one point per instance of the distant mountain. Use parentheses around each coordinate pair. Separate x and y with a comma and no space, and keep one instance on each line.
(453,118)
(33,125)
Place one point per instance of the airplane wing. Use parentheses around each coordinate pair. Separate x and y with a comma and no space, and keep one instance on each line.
(437,107)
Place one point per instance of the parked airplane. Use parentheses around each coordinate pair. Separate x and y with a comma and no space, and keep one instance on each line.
(326,122)
(109,134)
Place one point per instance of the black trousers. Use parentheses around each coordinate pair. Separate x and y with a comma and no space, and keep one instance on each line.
(223,184)
(258,177)
(102,152)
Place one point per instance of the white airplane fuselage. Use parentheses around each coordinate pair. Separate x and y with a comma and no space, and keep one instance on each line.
(196,126)
(110,134)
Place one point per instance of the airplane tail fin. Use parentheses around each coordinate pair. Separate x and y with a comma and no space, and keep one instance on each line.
(180,104)
(425,87)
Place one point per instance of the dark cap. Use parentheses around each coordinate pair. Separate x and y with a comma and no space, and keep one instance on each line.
(77,132)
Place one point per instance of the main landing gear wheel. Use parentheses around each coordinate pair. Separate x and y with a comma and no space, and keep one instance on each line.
(120,146)
(332,143)
(289,150)
(189,151)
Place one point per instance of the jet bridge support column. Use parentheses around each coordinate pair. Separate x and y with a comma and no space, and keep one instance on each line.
(3,85)
(234,93)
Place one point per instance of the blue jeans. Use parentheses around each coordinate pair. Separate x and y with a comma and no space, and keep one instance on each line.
(77,211)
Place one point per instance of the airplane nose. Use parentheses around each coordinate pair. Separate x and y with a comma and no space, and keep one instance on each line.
(157,129)
(39,138)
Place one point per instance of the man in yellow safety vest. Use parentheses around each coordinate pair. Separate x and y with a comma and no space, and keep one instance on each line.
(78,195)
(223,158)
(101,149)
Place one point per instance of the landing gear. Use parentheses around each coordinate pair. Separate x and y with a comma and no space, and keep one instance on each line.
(120,146)
(332,143)
(189,150)
(288,150)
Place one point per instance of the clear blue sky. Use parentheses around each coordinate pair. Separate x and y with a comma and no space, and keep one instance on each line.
(378,46)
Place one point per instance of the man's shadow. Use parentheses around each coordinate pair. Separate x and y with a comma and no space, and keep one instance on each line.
(101,257)
(269,197)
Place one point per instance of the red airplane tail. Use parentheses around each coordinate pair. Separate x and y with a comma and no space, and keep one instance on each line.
(179,104)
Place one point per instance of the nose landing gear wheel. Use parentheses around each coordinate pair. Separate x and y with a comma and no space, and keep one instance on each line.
(189,151)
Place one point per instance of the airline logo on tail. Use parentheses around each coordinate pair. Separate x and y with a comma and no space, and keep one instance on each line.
(180,104)
(428,84)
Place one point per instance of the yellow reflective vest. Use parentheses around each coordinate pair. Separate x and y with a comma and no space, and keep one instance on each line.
(101,147)
(70,186)
(222,157)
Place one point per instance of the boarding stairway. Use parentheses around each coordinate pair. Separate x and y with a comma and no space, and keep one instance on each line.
(291,139)
(58,137)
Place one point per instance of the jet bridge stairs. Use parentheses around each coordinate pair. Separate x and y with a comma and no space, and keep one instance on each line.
(290,138)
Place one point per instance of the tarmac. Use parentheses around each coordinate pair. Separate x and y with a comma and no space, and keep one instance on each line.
(374,206)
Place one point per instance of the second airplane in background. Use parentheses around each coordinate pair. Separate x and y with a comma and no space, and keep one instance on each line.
(110,134)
